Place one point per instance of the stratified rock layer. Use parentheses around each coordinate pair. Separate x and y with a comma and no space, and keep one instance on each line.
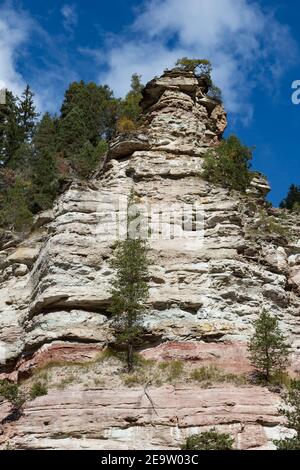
(209,281)
(155,418)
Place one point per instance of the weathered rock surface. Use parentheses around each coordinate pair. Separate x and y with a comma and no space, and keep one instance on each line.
(209,278)
(155,418)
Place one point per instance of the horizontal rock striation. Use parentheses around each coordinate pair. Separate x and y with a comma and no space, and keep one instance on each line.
(209,280)
(138,418)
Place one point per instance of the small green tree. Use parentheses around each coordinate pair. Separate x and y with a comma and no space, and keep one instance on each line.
(88,158)
(130,108)
(210,440)
(129,287)
(72,134)
(229,165)
(10,135)
(27,114)
(291,411)
(44,172)
(269,351)
(292,200)
(15,211)
(201,66)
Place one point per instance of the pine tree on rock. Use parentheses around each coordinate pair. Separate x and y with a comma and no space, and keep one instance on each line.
(269,351)
(129,288)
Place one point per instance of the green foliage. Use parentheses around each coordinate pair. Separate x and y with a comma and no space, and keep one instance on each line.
(215,93)
(72,134)
(9,391)
(88,158)
(201,66)
(44,174)
(38,389)
(228,165)
(15,212)
(130,109)
(96,107)
(292,443)
(10,132)
(212,374)
(269,351)
(125,124)
(43,157)
(27,114)
(210,440)
(268,224)
(129,287)
(292,200)
(291,411)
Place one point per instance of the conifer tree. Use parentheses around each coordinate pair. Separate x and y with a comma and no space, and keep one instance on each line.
(15,212)
(10,135)
(88,158)
(292,200)
(130,108)
(72,134)
(43,166)
(97,108)
(27,114)
(269,351)
(229,165)
(130,287)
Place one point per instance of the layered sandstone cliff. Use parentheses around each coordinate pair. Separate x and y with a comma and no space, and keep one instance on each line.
(209,281)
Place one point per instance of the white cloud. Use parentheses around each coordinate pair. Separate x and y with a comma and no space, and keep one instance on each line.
(14,33)
(70,17)
(49,76)
(245,45)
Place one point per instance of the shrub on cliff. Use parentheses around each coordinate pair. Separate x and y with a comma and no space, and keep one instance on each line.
(291,411)
(11,392)
(210,440)
(125,124)
(229,165)
(202,68)
(269,351)
(38,389)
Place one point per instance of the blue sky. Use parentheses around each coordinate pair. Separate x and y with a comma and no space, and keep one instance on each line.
(254,47)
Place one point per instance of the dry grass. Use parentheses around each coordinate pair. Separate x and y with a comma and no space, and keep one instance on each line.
(109,370)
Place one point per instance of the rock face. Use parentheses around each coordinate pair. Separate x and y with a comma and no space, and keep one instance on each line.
(128,419)
(214,266)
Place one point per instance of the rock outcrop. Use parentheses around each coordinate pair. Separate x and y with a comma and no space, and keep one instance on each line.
(210,277)
(127,419)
